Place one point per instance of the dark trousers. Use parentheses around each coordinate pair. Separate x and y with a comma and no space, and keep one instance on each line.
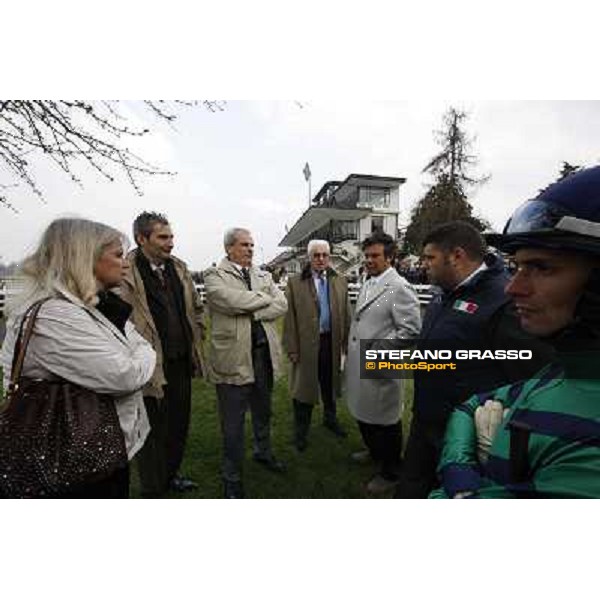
(302,418)
(326,377)
(115,485)
(421,459)
(303,410)
(385,446)
(161,456)
(233,403)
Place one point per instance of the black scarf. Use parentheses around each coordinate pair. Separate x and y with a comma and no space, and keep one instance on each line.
(116,310)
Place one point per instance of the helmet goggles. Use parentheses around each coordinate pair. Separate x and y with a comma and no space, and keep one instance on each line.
(539,223)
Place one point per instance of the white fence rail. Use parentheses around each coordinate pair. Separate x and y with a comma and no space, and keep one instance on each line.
(9,286)
(424,292)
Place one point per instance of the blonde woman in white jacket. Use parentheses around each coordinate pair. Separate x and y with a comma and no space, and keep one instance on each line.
(82,333)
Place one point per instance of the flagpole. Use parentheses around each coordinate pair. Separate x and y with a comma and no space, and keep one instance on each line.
(308,177)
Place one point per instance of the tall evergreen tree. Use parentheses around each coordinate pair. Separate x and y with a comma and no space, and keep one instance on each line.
(568,169)
(446,199)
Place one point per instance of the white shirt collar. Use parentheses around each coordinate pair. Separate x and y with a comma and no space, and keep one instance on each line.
(479,269)
(377,278)
(239,267)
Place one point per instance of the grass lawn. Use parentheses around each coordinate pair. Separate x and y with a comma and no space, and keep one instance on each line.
(323,471)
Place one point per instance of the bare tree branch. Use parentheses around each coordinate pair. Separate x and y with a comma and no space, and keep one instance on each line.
(74,132)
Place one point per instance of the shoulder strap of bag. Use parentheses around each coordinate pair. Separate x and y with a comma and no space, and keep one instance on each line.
(22,341)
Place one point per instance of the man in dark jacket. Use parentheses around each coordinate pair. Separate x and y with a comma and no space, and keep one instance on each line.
(471,310)
(540,438)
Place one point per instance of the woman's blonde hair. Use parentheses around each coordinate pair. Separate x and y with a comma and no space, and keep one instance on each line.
(66,255)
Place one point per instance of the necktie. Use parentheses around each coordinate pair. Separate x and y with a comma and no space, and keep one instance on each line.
(160,273)
(324,313)
(259,336)
(246,276)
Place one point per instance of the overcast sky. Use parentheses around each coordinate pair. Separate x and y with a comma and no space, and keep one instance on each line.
(243,166)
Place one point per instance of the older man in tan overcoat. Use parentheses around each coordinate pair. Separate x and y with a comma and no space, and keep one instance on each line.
(315,337)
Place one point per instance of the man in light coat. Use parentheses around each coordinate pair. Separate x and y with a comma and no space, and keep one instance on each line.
(245,354)
(168,312)
(315,335)
(387,309)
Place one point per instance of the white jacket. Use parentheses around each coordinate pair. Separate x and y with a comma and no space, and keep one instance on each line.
(391,312)
(78,343)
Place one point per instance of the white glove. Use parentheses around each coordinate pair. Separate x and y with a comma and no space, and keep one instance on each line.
(462,495)
(487,420)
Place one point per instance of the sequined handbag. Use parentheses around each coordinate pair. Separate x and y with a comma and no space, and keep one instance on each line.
(54,435)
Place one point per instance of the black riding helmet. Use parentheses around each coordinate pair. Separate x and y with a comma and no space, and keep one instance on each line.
(565,216)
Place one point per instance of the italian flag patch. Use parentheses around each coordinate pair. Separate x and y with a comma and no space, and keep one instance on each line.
(468,307)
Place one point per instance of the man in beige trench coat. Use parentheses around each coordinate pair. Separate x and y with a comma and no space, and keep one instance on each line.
(315,336)
(244,306)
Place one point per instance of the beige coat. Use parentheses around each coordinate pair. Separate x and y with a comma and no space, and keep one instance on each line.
(391,312)
(301,332)
(132,290)
(231,306)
